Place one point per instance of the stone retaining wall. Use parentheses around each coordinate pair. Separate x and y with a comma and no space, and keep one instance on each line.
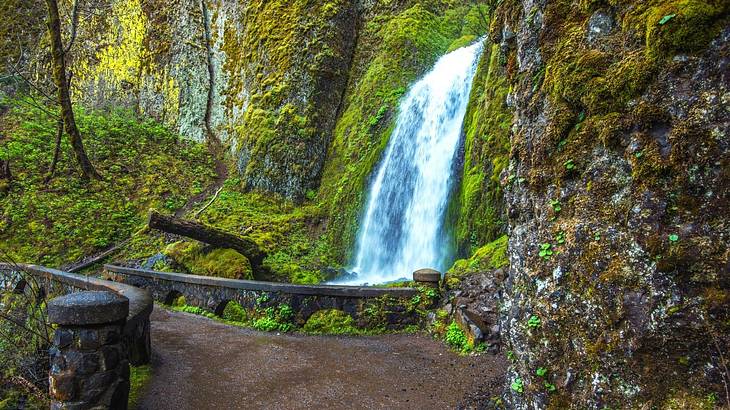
(371,307)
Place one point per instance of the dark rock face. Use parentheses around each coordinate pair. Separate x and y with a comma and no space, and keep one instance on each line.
(475,305)
(622,295)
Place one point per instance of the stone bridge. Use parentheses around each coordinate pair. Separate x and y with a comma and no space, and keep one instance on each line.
(369,306)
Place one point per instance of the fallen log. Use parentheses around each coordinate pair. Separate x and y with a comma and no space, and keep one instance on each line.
(210,235)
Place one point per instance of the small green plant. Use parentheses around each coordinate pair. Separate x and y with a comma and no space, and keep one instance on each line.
(285,312)
(541,371)
(569,165)
(533,322)
(664,20)
(638,154)
(556,205)
(560,238)
(673,238)
(456,338)
(546,250)
(310,195)
(550,387)
(431,293)
(265,324)
(517,385)
(262,299)
(511,356)
(416,300)
(561,144)
(195,311)
(234,312)
(597,236)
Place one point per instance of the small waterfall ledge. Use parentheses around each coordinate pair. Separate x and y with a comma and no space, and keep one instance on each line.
(403,224)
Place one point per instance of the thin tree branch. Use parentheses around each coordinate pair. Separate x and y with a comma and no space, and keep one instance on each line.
(74,24)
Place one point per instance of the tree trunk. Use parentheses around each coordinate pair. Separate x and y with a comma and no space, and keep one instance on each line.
(210,235)
(64,97)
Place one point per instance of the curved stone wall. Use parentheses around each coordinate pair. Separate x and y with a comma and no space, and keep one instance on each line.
(214,293)
(137,328)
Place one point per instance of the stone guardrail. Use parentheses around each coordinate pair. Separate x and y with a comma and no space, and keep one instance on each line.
(101,327)
(213,293)
(137,327)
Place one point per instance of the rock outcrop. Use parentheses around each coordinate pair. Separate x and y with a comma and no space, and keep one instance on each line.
(618,200)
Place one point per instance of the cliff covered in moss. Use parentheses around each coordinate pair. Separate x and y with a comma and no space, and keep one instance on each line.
(617,196)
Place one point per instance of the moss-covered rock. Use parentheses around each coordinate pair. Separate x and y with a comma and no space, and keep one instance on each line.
(330,321)
(196,259)
(478,206)
(609,155)
(489,257)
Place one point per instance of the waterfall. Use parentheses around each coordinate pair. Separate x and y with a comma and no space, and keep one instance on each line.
(403,225)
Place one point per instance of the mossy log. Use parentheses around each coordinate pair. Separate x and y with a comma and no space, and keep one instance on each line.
(210,235)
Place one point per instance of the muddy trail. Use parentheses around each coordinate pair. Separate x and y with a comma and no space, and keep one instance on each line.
(199,363)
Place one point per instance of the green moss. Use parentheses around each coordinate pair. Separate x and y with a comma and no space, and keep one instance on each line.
(194,258)
(234,312)
(490,256)
(68,218)
(692,25)
(331,321)
(139,378)
(462,41)
(479,205)
(179,301)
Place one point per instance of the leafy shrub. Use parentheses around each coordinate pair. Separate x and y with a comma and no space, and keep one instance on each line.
(456,338)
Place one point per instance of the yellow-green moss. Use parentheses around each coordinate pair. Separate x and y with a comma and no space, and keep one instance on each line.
(224,263)
(66,219)
(480,218)
(139,378)
(234,312)
(490,256)
(332,321)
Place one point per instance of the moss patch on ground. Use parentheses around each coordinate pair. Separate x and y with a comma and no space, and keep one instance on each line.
(143,164)
(139,378)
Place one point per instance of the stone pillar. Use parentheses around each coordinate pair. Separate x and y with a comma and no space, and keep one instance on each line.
(427,277)
(89,365)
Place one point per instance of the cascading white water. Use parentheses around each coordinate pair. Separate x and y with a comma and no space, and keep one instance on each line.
(403,227)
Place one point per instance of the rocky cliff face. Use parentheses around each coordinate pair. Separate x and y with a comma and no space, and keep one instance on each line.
(236,70)
(617,195)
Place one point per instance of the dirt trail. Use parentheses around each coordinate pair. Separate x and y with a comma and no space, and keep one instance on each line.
(203,364)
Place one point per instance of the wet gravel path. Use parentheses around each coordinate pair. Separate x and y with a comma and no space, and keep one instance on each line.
(203,364)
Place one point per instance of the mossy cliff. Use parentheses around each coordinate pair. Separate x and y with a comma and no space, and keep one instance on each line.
(479,203)
(617,197)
